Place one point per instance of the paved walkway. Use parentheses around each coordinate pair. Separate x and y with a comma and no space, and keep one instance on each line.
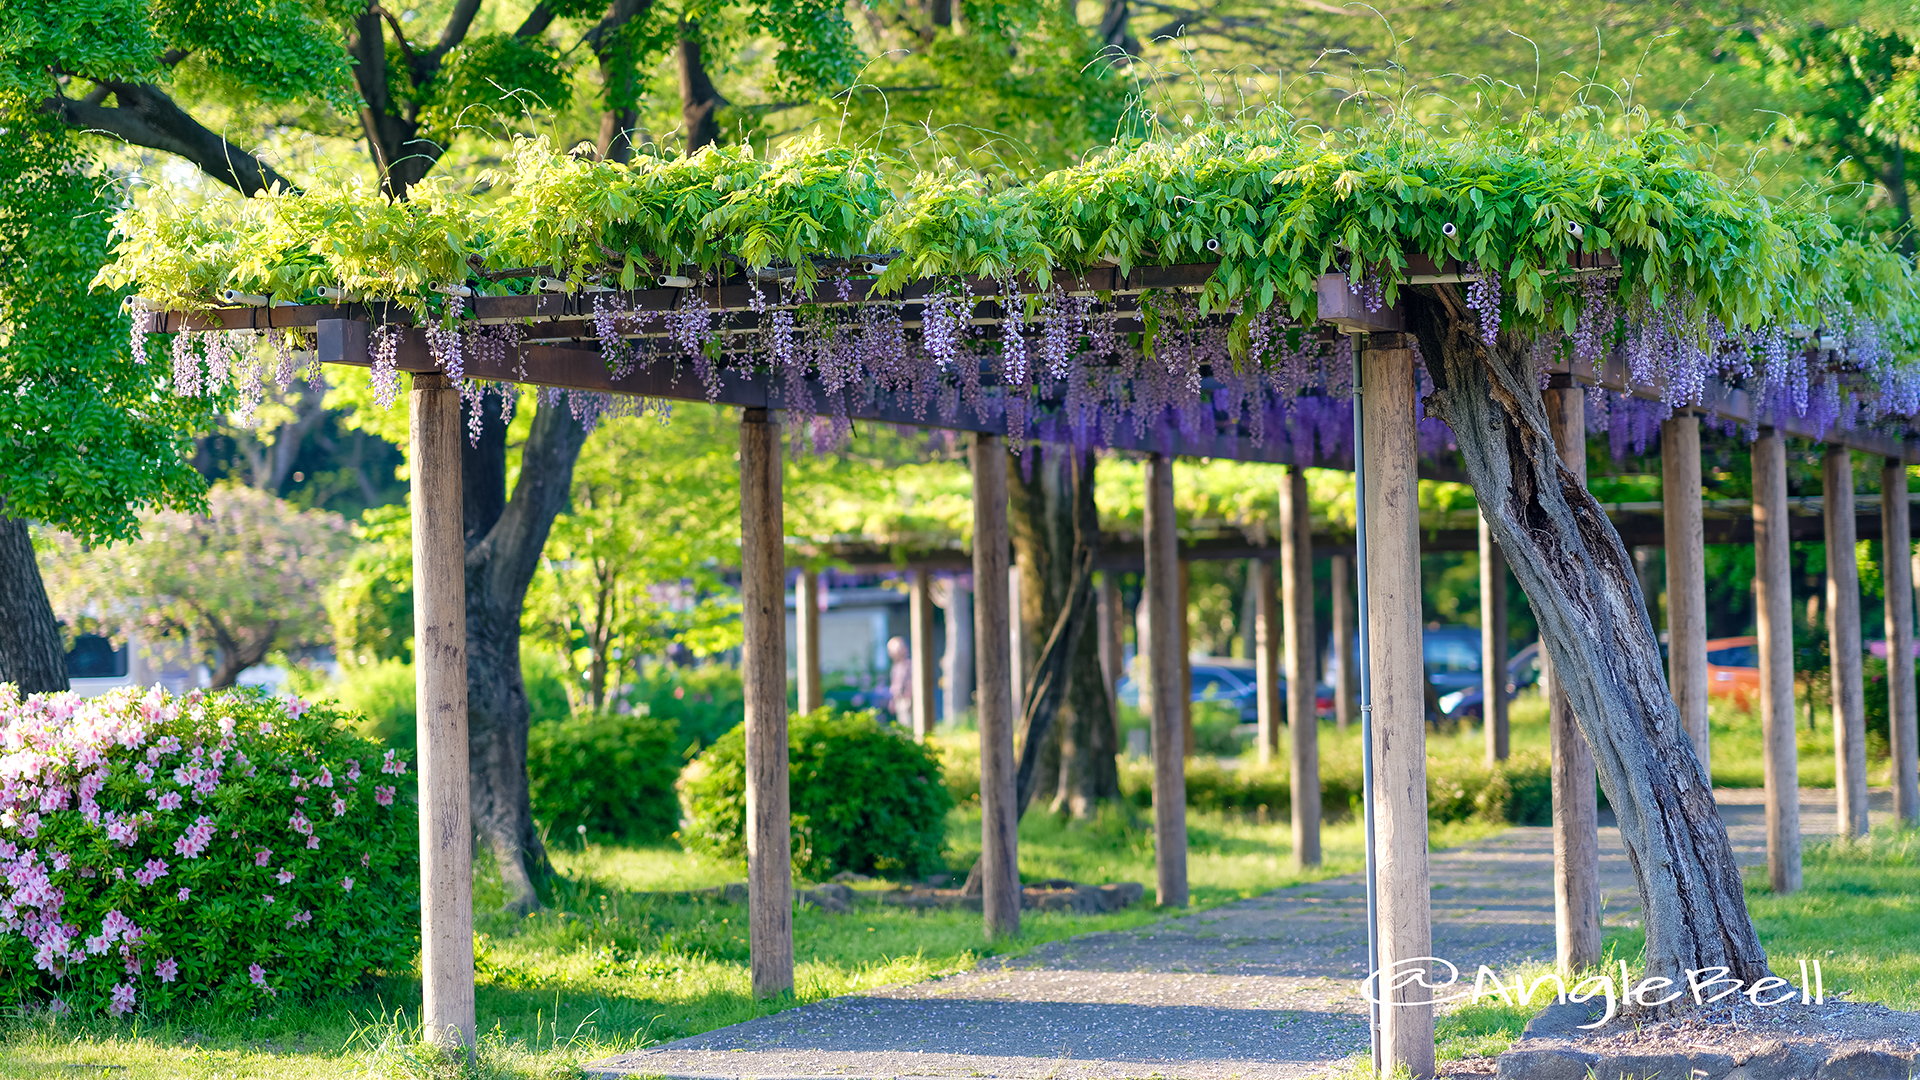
(1263,988)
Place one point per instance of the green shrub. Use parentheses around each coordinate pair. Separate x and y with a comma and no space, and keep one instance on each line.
(702,703)
(865,797)
(228,846)
(612,773)
(382,694)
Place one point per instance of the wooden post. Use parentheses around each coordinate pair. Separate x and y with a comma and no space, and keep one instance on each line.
(1163,609)
(992,644)
(1296,586)
(1183,693)
(1108,616)
(806,627)
(1346,675)
(1016,642)
(1398,700)
(959,653)
(920,614)
(440,685)
(1493,646)
(1773,614)
(1686,579)
(1843,643)
(1576,810)
(1897,547)
(763,668)
(1266,658)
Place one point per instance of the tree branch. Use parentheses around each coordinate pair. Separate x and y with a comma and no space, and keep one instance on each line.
(147,117)
(455,32)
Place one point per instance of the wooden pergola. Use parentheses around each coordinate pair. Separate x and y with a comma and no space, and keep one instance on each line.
(560,349)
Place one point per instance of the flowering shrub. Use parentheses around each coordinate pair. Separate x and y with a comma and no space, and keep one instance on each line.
(156,849)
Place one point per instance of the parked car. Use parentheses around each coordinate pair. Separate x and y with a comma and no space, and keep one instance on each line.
(1230,680)
(1733,669)
(1451,655)
(1523,670)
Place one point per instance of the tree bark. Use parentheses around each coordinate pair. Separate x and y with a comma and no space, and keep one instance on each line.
(1579,577)
(146,116)
(699,101)
(503,542)
(31,656)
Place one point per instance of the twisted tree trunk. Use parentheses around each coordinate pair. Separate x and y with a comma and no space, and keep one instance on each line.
(504,538)
(31,656)
(1580,580)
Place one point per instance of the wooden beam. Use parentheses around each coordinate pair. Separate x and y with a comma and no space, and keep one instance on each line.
(925,671)
(1303,722)
(1267,641)
(806,633)
(1493,647)
(1897,557)
(1576,810)
(1773,614)
(1686,579)
(1398,700)
(992,643)
(1843,644)
(440,685)
(1346,675)
(763,667)
(1169,692)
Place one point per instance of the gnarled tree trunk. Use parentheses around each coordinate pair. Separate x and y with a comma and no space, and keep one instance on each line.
(30,653)
(504,538)
(1581,583)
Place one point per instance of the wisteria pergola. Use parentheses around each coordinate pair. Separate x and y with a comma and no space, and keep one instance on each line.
(594,343)
(1255,290)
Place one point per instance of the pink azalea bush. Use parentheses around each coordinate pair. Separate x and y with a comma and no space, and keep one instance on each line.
(158,849)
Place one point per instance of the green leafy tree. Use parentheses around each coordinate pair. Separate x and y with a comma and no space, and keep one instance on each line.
(239,581)
(87,433)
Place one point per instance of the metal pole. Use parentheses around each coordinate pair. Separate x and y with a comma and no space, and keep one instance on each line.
(1366,691)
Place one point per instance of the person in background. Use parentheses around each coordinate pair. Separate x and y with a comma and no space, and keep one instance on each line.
(900,681)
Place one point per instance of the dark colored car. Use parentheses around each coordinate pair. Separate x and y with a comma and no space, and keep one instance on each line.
(1522,671)
(1232,681)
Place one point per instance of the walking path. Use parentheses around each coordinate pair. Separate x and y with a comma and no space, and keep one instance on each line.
(1262,988)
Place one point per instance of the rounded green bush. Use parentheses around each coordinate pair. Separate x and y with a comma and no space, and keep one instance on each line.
(612,773)
(864,797)
(157,850)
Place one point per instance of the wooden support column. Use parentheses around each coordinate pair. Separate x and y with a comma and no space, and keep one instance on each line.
(763,669)
(1897,547)
(1108,615)
(1165,662)
(1576,811)
(1296,588)
(1346,673)
(1493,646)
(1843,643)
(1016,643)
(440,684)
(1266,658)
(958,662)
(806,631)
(1398,700)
(925,679)
(1184,692)
(1686,579)
(993,645)
(1773,614)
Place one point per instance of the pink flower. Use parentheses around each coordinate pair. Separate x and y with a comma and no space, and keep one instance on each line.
(169,801)
(258,974)
(302,919)
(284,876)
(168,969)
(353,770)
(145,771)
(266,727)
(155,870)
(313,843)
(295,706)
(326,777)
(195,840)
(262,857)
(266,898)
(122,1000)
(339,806)
(366,859)
(347,884)
(383,794)
(133,962)
(183,893)
(393,765)
(299,823)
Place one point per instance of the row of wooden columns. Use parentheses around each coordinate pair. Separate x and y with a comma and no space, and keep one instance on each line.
(1397,684)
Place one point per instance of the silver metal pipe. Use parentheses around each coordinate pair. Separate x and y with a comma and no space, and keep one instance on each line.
(1366,690)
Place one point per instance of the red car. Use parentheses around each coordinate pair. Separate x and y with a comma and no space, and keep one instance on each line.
(1733,670)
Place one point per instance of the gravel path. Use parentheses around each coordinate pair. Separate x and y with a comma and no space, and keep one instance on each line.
(1263,988)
